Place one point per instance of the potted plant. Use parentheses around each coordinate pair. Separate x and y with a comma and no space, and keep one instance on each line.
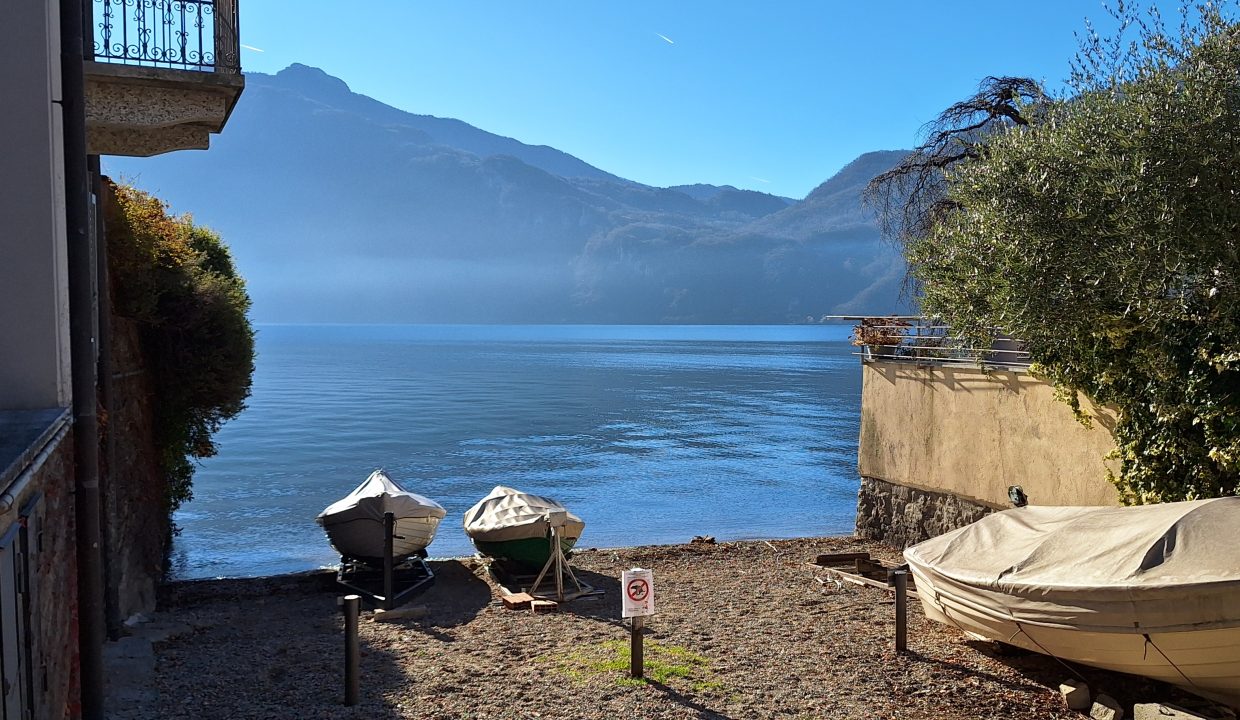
(879,336)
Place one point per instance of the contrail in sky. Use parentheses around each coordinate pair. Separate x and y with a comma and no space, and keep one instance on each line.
(761,180)
(251,47)
(668,39)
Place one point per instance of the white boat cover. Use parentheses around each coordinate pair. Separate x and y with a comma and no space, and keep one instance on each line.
(508,514)
(1150,568)
(377,496)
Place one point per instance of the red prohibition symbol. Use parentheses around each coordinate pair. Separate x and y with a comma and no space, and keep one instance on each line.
(637,590)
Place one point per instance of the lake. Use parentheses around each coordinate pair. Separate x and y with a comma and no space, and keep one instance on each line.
(652,434)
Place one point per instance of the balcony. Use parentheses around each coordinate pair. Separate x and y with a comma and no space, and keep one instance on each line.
(165,75)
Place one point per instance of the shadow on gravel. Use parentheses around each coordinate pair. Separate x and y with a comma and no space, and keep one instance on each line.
(672,694)
(456,597)
(1046,671)
(182,593)
(604,608)
(970,671)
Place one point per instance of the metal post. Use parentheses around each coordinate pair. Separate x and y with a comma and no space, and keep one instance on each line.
(352,654)
(637,660)
(389,532)
(900,578)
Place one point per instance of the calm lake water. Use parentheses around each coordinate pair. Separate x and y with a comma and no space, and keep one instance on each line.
(652,434)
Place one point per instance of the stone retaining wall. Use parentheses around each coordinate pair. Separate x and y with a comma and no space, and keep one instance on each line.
(135,492)
(903,516)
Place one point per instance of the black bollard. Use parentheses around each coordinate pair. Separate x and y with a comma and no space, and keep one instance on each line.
(352,654)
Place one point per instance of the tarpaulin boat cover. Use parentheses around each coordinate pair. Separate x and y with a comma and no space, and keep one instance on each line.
(377,496)
(508,514)
(1149,568)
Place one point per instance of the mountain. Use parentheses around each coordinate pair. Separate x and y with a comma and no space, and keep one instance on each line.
(704,192)
(342,209)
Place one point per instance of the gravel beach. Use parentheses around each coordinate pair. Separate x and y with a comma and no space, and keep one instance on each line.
(743,630)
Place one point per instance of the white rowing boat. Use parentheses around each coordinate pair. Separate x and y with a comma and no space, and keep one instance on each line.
(354,524)
(1152,590)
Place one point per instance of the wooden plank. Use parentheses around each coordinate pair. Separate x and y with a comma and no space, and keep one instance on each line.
(868,567)
(517,601)
(841,558)
(409,613)
(544,606)
(856,579)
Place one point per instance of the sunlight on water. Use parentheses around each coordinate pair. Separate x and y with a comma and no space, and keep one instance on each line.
(650,434)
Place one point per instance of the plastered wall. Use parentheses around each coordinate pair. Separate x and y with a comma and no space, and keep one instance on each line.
(972,434)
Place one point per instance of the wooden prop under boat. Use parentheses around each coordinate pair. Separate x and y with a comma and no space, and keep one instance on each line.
(511,526)
(354,524)
(1151,590)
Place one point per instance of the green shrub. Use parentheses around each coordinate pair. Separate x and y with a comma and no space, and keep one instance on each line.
(178,282)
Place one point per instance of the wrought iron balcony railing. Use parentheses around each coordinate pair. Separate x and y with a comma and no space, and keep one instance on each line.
(176,34)
(925,341)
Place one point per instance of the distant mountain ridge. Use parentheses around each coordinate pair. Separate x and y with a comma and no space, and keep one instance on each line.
(342,209)
(333,92)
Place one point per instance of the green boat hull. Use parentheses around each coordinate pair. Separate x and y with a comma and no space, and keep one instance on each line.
(527,555)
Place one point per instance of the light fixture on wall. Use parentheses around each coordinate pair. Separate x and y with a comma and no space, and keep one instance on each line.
(1017,495)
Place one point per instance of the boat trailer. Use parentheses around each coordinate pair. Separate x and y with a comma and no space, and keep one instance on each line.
(392,584)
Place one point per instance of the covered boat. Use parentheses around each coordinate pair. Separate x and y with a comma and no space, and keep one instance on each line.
(354,523)
(1152,590)
(514,527)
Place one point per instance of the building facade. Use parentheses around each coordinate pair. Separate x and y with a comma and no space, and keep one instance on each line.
(78,78)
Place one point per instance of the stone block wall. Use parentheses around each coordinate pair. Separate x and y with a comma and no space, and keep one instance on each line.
(47,488)
(901,516)
(134,498)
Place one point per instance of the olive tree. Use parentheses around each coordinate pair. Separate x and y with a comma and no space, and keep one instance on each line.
(1105,233)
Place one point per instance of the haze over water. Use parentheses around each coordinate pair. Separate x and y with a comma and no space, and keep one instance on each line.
(652,434)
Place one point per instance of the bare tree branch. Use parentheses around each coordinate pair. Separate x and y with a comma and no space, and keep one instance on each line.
(911,198)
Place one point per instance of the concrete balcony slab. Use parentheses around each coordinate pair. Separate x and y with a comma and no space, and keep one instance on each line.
(142,111)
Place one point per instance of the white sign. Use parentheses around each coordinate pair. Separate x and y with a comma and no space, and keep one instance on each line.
(637,592)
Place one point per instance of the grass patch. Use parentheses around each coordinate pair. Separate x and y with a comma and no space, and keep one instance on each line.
(665,664)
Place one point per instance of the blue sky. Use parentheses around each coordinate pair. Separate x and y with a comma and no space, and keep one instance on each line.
(775,96)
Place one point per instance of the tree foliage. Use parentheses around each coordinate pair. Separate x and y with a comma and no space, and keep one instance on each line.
(1105,234)
(178,281)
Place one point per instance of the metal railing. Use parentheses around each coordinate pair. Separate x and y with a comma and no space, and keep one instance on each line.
(926,341)
(198,35)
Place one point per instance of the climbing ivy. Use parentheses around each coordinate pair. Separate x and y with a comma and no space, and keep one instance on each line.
(177,280)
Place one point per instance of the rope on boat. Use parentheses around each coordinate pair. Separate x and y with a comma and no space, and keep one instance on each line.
(1151,642)
(1020,629)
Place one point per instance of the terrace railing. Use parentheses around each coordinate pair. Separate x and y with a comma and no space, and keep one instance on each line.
(926,341)
(198,35)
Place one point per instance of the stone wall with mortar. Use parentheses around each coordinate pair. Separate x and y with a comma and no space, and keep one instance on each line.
(134,493)
(44,490)
(903,516)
